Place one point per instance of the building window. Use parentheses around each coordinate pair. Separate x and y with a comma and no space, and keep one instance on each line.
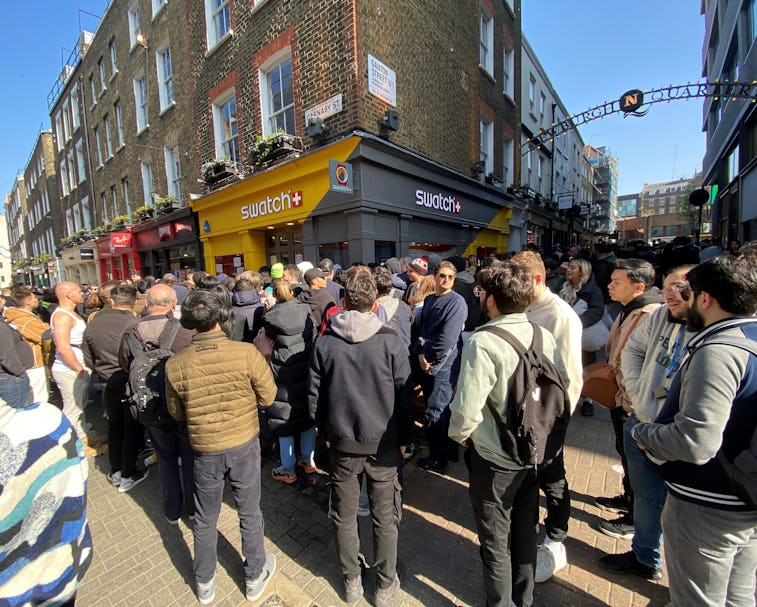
(531,91)
(486,57)
(59,131)
(140,101)
(508,161)
(509,73)
(147,186)
(165,77)
(135,24)
(486,144)
(114,201)
(225,126)
(66,121)
(542,106)
(108,140)
(104,206)
(157,5)
(64,177)
(119,123)
(98,147)
(173,172)
(539,175)
(80,162)
(277,96)
(92,90)
(85,217)
(75,118)
(217,20)
(127,195)
(113,58)
(733,165)
(752,19)
(101,71)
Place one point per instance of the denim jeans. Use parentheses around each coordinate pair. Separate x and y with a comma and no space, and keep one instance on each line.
(241,466)
(649,498)
(385,498)
(438,391)
(619,417)
(14,390)
(170,445)
(307,448)
(711,555)
(506,509)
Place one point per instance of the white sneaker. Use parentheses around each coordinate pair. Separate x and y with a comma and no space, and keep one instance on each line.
(549,560)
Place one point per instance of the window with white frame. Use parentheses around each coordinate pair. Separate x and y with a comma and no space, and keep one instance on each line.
(540,174)
(542,106)
(119,123)
(225,126)
(165,77)
(531,90)
(147,185)
(75,118)
(70,225)
(486,144)
(217,21)
(486,40)
(98,147)
(66,121)
(85,217)
(113,57)
(104,206)
(135,24)
(71,164)
(127,194)
(173,171)
(277,94)
(114,200)
(108,140)
(59,131)
(92,89)
(157,5)
(140,102)
(101,71)
(509,73)
(80,161)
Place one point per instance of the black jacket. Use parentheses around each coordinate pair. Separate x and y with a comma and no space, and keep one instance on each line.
(593,297)
(102,341)
(248,305)
(319,301)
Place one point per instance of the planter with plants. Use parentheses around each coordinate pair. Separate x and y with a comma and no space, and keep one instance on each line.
(142,213)
(274,146)
(100,231)
(165,205)
(220,169)
(119,223)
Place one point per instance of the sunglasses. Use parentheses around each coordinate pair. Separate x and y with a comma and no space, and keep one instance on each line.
(683,289)
(446,276)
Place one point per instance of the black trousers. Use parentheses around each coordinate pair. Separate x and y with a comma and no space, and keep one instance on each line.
(553,483)
(619,417)
(125,434)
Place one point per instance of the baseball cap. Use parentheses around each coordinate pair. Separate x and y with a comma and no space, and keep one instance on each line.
(277,270)
(420,265)
(312,274)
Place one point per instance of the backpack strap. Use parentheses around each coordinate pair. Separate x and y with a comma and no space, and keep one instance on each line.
(169,333)
(515,344)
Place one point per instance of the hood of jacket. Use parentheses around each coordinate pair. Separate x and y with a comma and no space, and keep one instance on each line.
(287,318)
(465,278)
(390,305)
(245,298)
(355,327)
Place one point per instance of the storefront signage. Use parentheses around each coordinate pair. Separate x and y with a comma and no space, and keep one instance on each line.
(448,204)
(269,206)
(565,201)
(324,110)
(86,253)
(165,231)
(182,227)
(382,81)
(120,239)
(340,176)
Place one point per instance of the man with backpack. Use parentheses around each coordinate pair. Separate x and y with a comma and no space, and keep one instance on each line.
(503,482)
(704,442)
(159,330)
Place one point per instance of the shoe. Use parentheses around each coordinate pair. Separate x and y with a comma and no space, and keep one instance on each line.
(206,592)
(90,452)
(254,589)
(549,560)
(171,521)
(432,465)
(409,451)
(308,467)
(127,484)
(95,440)
(285,475)
(587,408)
(621,528)
(115,478)
(628,563)
(353,589)
(385,595)
(618,503)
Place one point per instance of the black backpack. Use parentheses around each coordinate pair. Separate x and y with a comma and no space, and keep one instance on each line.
(146,390)
(537,410)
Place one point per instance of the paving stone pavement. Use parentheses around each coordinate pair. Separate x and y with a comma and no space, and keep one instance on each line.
(139,559)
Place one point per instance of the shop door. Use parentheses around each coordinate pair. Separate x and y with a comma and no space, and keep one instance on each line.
(285,245)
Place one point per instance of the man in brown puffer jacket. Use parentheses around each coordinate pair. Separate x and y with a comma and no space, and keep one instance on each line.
(217,385)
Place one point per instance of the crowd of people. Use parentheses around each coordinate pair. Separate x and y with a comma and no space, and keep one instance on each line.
(302,356)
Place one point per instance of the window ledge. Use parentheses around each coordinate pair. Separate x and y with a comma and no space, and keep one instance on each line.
(509,97)
(120,147)
(211,50)
(102,92)
(143,129)
(98,167)
(487,73)
(256,6)
(112,76)
(168,107)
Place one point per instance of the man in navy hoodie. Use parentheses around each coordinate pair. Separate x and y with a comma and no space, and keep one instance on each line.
(360,395)
(710,532)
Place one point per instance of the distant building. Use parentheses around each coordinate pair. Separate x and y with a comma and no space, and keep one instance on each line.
(602,218)
(6,267)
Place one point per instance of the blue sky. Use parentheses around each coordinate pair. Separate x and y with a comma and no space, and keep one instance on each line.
(594,50)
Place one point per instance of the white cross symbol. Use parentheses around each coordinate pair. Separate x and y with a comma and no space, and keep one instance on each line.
(457,206)
(297,199)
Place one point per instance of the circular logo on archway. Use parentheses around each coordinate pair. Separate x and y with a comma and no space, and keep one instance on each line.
(342,174)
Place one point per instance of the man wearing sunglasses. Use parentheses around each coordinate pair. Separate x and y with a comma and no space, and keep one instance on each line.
(649,360)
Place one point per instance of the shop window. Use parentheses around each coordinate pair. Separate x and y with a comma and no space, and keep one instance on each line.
(338,252)
(384,249)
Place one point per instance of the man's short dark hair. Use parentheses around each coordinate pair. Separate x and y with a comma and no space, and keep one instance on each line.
(511,285)
(20,293)
(383,279)
(123,295)
(638,271)
(201,310)
(359,291)
(732,281)
(243,285)
(326,265)
(206,281)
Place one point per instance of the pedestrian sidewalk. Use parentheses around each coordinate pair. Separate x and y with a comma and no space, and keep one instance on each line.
(139,559)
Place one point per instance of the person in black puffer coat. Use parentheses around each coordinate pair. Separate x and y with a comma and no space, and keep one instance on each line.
(246,302)
(290,327)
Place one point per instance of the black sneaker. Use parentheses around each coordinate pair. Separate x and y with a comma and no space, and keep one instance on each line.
(587,408)
(618,503)
(621,528)
(628,563)
(432,465)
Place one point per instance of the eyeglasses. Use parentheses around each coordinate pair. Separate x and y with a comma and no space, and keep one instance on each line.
(682,288)
(446,276)
(478,291)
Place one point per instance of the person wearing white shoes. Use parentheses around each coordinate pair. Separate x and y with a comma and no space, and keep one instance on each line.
(548,310)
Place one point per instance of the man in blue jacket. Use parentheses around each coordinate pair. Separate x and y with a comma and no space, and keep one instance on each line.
(710,532)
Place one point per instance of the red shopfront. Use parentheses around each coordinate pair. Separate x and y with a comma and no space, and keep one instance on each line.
(169,246)
(118,258)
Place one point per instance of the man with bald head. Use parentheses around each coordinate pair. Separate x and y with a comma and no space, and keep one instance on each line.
(171,443)
(69,371)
